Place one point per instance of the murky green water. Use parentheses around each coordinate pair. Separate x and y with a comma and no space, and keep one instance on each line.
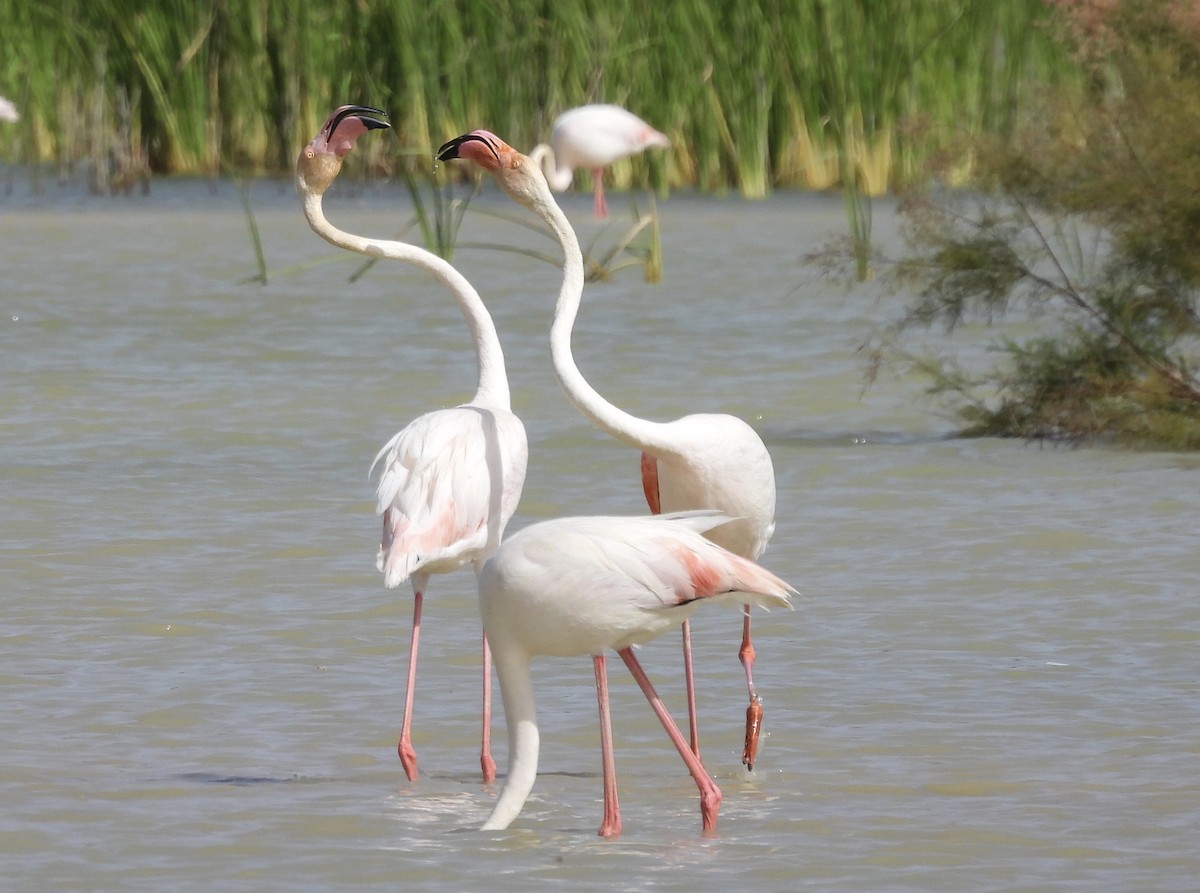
(991,682)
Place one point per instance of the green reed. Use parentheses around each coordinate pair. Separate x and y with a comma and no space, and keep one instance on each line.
(755,95)
(260,257)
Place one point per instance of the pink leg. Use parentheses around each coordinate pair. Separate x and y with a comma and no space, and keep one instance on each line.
(408,756)
(710,794)
(650,488)
(611,826)
(754,712)
(690,682)
(601,208)
(485,749)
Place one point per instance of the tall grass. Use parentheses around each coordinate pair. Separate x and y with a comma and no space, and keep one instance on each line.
(755,95)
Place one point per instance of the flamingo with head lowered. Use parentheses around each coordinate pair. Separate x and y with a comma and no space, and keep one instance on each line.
(451,479)
(699,461)
(593,137)
(575,586)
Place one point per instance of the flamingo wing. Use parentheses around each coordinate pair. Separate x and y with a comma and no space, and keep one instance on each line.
(607,582)
(674,564)
(445,478)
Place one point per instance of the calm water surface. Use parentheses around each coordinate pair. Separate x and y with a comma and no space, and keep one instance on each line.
(991,682)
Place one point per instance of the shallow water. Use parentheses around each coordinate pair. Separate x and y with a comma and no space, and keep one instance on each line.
(990,682)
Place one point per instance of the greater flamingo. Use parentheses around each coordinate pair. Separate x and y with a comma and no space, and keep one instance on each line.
(705,460)
(574,586)
(593,137)
(452,478)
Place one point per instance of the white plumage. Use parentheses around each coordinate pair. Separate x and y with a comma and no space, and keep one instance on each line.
(699,461)
(576,586)
(436,493)
(451,479)
(593,137)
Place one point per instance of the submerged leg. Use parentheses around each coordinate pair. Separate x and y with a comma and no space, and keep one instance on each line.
(690,684)
(611,825)
(485,749)
(710,794)
(408,756)
(653,499)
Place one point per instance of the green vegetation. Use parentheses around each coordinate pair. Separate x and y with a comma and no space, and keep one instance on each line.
(1075,118)
(439,219)
(601,261)
(1090,227)
(755,95)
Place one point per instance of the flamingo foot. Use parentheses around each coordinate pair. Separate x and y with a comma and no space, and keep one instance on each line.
(408,757)
(489,767)
(754,716)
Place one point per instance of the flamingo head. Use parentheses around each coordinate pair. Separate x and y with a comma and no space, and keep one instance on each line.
(519,175)
(321,160)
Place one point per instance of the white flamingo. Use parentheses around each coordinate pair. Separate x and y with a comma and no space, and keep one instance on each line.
(574,586)
(700,461)
(593,137)
(452,478)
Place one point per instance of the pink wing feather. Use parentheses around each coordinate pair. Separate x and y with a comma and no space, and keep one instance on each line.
(436,493)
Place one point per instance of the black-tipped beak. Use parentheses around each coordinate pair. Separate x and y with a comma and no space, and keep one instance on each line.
(450,150)
(362,112)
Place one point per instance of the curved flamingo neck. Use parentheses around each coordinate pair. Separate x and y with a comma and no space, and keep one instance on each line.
(557,174)
(492,389)
(636,432)
(520,715)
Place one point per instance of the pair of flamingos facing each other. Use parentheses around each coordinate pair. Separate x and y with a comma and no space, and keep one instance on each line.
(452,479)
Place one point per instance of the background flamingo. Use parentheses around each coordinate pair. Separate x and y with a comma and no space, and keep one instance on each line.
(593,137)
(8,111)
(574,586)
(451,479)
(705,460)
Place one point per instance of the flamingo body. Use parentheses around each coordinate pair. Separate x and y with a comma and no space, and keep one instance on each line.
(700,461)
(436,489)
(717,461)
(576,586)
(451,479)
(593,137)
(584,585)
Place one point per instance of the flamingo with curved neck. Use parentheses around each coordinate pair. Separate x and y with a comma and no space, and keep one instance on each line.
(593,137)
(699,461)
(574,586)
(451,479)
